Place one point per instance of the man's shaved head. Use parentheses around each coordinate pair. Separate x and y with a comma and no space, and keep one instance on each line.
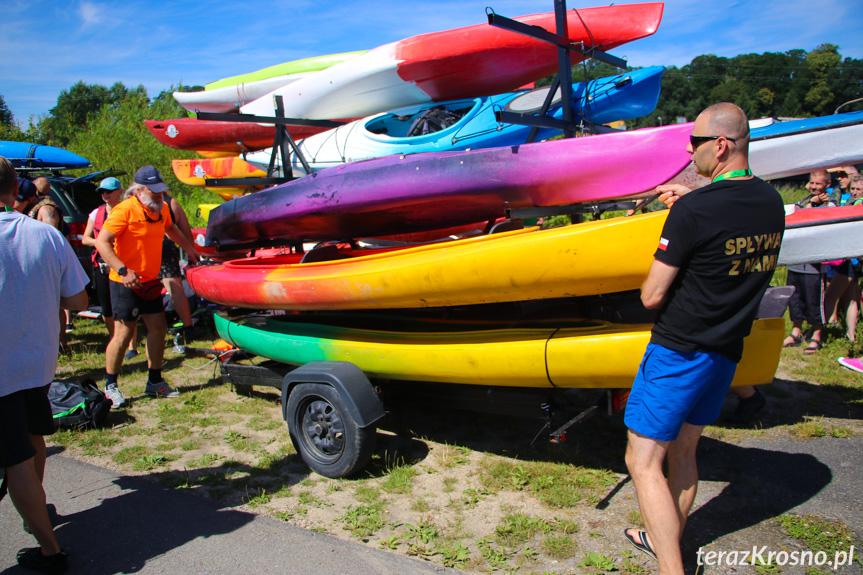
(729,120)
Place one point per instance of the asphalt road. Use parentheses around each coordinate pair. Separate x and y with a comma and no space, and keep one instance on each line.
(112,523)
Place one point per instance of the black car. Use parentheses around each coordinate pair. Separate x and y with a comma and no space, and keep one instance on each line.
(77,197)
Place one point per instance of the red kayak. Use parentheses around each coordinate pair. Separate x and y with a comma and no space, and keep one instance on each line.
(480,60)
(234,137)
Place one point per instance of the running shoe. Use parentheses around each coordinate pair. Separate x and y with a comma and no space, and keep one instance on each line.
(112,392)
(160,389)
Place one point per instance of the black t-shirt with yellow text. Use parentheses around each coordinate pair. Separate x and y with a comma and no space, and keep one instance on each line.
(725,238)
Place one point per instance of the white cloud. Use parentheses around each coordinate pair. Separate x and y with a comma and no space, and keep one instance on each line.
(91,13)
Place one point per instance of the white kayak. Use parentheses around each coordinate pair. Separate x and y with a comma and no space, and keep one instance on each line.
(783,149)
(470,124)
(231,98)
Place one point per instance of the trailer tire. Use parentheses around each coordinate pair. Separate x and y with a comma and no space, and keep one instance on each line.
(324,433)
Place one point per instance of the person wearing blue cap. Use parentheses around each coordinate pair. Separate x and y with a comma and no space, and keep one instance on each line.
(112,194)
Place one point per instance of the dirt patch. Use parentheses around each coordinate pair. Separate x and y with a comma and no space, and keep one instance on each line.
(476,491)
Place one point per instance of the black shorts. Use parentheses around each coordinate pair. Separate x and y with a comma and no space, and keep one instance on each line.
(807,301)
(103,290)
(846,268)
(129,306)
(170,260)
(22,414)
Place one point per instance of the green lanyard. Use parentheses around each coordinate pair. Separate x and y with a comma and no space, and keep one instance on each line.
(8,209)
(733,174)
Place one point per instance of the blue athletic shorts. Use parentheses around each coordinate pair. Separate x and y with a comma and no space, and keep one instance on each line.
(674,387)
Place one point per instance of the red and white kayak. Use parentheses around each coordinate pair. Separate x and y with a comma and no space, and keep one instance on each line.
(480,60)
(194,134)
(815,235)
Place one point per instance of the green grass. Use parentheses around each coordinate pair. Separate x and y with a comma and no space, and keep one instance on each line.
(519,528)
(399,479)
(820,534)
(556,484)
(363,521)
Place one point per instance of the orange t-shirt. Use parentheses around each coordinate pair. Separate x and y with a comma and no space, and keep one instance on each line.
(139,241)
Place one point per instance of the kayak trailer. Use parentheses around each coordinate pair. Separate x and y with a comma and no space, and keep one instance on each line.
(332,407)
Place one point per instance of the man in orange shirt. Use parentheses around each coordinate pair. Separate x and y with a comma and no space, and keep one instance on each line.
(131,244)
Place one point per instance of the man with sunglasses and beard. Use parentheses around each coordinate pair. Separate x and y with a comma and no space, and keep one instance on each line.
(131,244)
(715,259)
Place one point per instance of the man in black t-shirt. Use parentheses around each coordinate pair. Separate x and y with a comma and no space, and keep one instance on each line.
(715,259)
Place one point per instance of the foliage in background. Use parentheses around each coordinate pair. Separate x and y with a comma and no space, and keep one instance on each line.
(116,137)
(792,84)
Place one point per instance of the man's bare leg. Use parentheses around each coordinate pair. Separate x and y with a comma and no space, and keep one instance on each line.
(644,457)
(157,329)
(683,470)
(26,493)
(124,330)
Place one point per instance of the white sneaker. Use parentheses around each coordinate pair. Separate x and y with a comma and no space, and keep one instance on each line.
(160,389)
(112,392)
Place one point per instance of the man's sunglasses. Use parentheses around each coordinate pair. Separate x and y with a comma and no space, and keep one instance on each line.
(696,141)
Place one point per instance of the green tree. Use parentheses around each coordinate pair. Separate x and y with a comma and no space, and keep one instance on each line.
(76,106)
(6,117)
(116,137)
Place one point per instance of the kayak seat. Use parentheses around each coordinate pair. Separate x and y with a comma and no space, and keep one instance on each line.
(323,254)
(506,226)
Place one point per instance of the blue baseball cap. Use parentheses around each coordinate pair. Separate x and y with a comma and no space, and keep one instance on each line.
(110,184)
(150,177)
(26,189)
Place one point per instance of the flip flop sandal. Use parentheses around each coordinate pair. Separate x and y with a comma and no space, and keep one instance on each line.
(796,341)
(639,542)
(814,347)
(853,364)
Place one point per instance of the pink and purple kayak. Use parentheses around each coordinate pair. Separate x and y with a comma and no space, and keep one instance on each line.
(480,60)
(418,192)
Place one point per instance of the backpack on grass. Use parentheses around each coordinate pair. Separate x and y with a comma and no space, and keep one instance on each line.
(77,405)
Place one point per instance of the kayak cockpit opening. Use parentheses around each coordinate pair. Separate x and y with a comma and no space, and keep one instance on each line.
(427,120)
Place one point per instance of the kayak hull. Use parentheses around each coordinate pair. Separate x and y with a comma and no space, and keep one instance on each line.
(313,64)
(465,62)
(26,155)
(521,265)
(195,172)
(591,354)
(604,100)
(419,192)
(794,147)
(510,266)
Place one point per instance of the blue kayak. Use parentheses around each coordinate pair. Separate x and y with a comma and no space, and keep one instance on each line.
(806,125)
(468,124)
(26,155)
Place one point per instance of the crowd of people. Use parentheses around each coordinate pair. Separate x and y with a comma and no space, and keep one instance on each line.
(820,288)
(132,259)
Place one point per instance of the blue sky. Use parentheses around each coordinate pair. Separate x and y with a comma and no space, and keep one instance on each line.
(47,45)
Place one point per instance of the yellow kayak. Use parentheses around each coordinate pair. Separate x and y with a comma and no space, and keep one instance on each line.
(586,354)
(600,257)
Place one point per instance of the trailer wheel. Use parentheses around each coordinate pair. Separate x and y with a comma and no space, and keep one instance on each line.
(324,433)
